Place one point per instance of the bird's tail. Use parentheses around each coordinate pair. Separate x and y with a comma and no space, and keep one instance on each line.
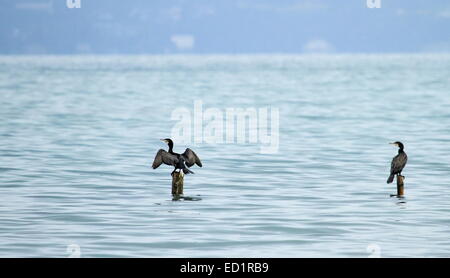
(187,171)
(391,178)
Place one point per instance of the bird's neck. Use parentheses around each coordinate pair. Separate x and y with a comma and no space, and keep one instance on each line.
(400,150)
(170,148)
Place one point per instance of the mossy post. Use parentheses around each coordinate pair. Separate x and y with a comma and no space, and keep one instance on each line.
(400,185)
(177,183)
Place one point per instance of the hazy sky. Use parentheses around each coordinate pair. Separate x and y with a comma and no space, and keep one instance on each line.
(223,26)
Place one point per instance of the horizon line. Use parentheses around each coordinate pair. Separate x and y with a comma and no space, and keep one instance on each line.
(232,54)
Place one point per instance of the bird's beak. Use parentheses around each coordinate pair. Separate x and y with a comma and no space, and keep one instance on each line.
(393,144)
(163,140)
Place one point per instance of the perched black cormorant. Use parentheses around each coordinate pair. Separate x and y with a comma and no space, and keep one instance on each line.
(179,161)
(398,162)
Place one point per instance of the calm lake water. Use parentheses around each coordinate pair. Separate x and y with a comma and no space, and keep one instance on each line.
(78,136)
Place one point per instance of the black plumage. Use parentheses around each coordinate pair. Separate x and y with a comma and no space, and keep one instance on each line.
(398,162)
(181,162)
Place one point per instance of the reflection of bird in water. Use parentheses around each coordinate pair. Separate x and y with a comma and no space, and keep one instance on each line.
(179,161)
(398,162)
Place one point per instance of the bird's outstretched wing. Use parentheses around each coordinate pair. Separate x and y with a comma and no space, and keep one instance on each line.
(191,158)
(164,157)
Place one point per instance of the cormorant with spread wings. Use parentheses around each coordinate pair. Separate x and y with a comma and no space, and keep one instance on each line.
(182,162)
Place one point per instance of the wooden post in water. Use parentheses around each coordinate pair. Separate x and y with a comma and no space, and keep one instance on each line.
(400,185)
(177,183)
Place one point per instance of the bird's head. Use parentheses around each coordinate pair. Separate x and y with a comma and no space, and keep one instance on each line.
(168,141)
(398,144)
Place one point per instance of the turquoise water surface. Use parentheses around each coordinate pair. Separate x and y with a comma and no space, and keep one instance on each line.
(78,135)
